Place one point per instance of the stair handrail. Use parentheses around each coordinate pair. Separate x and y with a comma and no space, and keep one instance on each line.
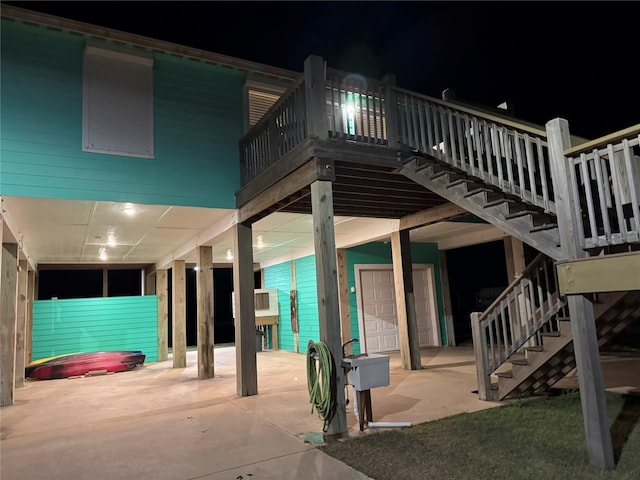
(520,312)
(279,130)
(510,156)
(605,179)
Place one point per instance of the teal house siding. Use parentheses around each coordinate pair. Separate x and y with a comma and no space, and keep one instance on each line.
(380,253)
(96,324)
(279,277)
(306,285)
(198,120)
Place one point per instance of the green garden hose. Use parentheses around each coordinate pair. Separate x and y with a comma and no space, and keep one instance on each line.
(321,381)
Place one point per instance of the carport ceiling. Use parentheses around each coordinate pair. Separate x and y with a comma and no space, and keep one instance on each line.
(73,232)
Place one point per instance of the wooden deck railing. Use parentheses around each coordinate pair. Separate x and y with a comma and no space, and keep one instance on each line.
(605,176)
(511,156)
(517,317)
(356,109)
(278,132)
(503,153)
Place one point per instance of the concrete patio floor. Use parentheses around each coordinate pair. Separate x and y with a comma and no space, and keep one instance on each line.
(163,423)
(157,422)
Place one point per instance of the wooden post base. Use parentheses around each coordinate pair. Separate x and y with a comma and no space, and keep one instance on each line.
(364,407)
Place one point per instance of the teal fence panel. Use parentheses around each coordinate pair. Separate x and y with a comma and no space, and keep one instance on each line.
(95,324)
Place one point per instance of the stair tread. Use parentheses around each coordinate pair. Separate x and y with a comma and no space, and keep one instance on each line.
(520,213)
(476,191)
(534,349)
(546,226)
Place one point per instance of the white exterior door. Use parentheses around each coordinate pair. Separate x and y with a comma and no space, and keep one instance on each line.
(379,310)
(377,307)
(426,307)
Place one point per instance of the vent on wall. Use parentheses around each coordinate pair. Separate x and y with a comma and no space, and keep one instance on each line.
(265,300)
(259,103)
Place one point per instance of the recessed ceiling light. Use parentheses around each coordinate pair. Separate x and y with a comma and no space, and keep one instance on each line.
(129,209)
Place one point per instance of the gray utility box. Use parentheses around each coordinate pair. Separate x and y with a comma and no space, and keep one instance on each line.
(367,371)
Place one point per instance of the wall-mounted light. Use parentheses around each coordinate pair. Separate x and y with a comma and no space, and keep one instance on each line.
(229,255)
(102,253)
(196,268)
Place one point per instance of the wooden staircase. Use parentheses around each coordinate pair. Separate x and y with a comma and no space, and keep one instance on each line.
(501,171)
(534,370)
(520,219)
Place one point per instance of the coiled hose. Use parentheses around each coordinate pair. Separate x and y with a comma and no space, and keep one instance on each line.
(321,381)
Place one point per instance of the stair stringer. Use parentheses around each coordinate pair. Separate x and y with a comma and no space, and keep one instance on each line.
(545,240)
(613,312)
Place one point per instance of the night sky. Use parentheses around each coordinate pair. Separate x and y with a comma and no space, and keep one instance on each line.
(576,60)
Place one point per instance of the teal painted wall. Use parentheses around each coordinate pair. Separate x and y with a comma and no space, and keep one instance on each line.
(279,277)
(96,324)
(307,287)
(198,119)
(380,253)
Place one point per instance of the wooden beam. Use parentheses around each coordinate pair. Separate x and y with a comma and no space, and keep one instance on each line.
(204,299)
(302,177)
(608,273)
(431,215)
(21,321)
(514,256)
(179,314)
(343,293)
(583,327)
(446,298)
(405,301)
(162,291)
(8,279)
(245,318)
(327,284)
(294,159)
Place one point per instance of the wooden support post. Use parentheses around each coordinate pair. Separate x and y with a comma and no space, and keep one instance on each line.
(315,97)
(514,256)
(21,322)
(179,314)
(482,362)
(149,283)
(8,279)
(205,312)
(105,282)
(28,339)
(391,110)
(245,320)
(343,292)
(162,290)
(327,284)
(515,261)
(446,297)
(583,328)
(405,301)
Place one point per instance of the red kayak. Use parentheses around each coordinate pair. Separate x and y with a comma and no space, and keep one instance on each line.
(77,364)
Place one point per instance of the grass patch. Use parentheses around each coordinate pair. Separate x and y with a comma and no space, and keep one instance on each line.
(534,439)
